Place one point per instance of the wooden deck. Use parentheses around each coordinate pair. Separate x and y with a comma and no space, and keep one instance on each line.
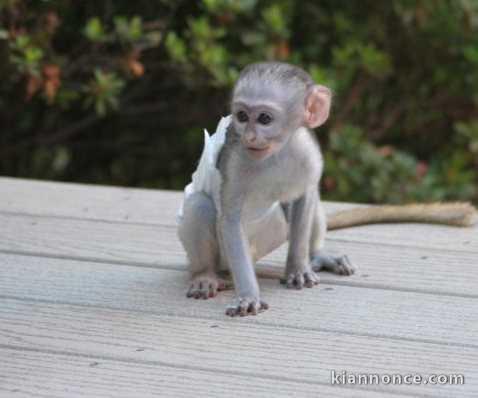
(92,304)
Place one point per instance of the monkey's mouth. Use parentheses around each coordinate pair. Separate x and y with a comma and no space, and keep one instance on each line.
(258,149)
(258,153)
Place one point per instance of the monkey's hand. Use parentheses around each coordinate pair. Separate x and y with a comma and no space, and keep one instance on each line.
(339,265)
(205,285)
(298,277)
(247,305)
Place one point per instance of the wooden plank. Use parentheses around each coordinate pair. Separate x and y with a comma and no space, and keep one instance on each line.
(344,309)
(25,374)
(88,201)
(96,202)
(268,353)
(160,207)
(414,235)
(392,267)
(387,266)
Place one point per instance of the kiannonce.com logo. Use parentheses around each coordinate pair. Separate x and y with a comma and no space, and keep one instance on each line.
(344,377)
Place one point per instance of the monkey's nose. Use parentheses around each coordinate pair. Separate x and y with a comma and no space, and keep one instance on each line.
(250,138)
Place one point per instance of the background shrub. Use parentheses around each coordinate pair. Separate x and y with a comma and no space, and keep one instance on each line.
(117,92)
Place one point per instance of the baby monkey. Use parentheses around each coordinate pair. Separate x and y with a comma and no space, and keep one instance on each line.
(256,186)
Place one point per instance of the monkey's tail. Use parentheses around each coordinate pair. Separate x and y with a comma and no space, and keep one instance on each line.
(460,214)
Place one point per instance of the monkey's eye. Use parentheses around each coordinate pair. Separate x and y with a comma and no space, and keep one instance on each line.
(264,118)
(242,116)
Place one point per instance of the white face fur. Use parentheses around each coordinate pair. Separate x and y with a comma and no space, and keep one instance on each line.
(264,121)
(265,116)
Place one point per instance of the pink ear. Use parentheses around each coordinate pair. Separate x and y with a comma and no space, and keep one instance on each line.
(317,106)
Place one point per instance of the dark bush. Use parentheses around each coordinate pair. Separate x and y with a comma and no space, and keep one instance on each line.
(117,92)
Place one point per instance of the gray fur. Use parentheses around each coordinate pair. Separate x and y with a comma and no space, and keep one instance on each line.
(245,228)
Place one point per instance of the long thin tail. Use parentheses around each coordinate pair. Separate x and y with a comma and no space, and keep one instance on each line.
(460,214)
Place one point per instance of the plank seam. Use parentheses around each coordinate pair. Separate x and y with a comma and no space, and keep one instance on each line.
(255,375)
(268,325)
(139,264)
(172,226)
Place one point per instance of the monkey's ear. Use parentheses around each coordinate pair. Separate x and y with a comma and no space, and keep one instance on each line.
(317,106)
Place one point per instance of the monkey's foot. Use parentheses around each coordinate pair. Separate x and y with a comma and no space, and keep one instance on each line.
(205,285)
(243,306)
(338,265)
(298,279)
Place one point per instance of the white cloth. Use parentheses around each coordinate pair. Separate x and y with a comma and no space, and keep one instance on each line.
(207,178)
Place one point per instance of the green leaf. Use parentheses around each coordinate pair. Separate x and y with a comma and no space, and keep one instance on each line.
(100,107)
(94,30)
(103,91)
(218,6)
(33,55)
(135,28)
(22,42)
(121,26)
(376,62)
(176,47)
(275,20)
(212,5)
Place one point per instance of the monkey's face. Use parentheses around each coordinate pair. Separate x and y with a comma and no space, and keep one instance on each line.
(264,126)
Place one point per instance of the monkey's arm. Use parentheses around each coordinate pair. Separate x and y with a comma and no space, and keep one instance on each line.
(460,214)
(238,257)
(236,252)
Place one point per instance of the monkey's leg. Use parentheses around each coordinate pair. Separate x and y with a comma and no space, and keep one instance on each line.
(197,232)
(319,259)
(298,271)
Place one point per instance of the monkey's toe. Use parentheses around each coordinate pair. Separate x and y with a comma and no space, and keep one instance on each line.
(344,266)
(338,265)
(205,286)
(301,279)
(244,306)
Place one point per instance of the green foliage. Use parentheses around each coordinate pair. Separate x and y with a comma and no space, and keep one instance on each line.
(25,55)
(103,91)
(221,6)
(128,31)
(275,19)
(176,48)
(393,176)
(94,30)
(468,133)
(118,92)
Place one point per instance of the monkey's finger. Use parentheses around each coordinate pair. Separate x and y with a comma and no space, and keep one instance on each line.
(204,290)
(231,311)
(212,290)
(299,281)
(344,266)
(348,265)
(264,306)
(243,308)
(308,283)
(290,281)
(221,285)
(311,279)
(193,291)
(254,308)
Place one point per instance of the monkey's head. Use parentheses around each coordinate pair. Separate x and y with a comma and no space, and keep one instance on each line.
(270,101)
